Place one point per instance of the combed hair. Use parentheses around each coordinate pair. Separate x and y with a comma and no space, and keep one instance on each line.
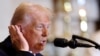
(25,8)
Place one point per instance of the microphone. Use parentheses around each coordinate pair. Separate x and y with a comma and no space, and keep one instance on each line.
(62,42)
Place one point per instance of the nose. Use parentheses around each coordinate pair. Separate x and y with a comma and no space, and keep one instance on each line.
(45,32)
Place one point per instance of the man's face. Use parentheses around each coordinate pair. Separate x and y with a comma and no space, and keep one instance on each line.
(36,32)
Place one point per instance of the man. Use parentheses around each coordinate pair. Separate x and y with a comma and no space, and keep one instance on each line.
(28,31)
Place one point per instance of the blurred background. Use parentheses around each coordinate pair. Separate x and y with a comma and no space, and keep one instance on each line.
(79,17)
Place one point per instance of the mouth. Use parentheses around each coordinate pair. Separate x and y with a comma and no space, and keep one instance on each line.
(43,42)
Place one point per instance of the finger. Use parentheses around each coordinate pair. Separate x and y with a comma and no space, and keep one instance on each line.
(18,30)
(20,34)
(12,30)
(23,41)
(13,33)
(14,36)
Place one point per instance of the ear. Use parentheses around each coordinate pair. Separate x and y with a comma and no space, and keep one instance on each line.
(23,29)
(20,27)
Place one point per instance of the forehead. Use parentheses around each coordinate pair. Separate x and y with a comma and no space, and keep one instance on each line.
(34,19)
(38,14)
(41,19)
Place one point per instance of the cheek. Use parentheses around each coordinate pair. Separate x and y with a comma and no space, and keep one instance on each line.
(36,33)
(32,33)
(34,36)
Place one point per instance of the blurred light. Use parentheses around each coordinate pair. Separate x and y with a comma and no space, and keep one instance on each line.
(67,6)
(83,26)
(81,2)
(67,18)
(82,13)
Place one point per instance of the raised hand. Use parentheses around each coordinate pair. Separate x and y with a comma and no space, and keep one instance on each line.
(17,38)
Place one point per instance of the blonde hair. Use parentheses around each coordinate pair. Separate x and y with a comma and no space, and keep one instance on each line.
(25,8)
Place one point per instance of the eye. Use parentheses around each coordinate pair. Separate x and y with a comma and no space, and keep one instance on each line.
(48,27)
(39,27)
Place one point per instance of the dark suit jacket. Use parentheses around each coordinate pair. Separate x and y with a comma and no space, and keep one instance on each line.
(6,49)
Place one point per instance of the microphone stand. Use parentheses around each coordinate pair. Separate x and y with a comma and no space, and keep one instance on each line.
(74,41)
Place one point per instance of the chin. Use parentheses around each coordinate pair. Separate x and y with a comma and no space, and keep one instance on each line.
(40,47)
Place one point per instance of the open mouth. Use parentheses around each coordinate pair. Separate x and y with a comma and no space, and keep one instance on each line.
(43,42)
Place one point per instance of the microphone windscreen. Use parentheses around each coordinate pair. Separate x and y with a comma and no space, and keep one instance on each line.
(60,42)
